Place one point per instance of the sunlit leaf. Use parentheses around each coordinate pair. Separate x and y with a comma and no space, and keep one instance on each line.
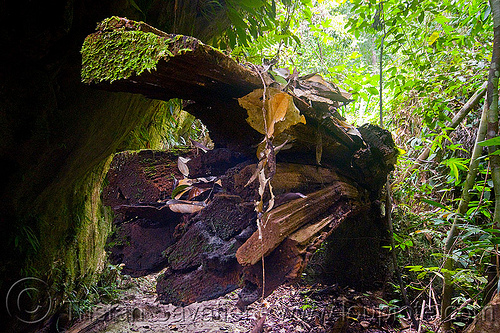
(433,37)
(251,3)
(372,90)
(277,108)
(490,142)
(486,13)
(281,112)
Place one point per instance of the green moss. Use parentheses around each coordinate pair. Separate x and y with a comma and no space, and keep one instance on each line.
(148,161)
(67,219)
(120,50)
(139,195)
(150,171)
(118,55)
(58,226)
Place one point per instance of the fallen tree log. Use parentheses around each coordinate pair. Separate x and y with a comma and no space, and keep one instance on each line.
(279,223)
(326,178)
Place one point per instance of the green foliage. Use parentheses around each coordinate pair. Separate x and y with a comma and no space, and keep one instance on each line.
(436,54)
(435,57)
(253,19)
(118,51)
(106,290)
(490,142)
(26,240)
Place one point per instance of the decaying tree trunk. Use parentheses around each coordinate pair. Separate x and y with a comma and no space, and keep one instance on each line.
(202,225)
(488,320)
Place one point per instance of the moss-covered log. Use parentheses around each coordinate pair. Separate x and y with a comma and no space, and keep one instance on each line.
(170,63)
(132,56)
(217,247)
(125,55)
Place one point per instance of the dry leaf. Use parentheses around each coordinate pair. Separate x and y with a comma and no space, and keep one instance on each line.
(185,206)
(182,165)
(281,112)
(319,79)
(254,176)
(262,182)
(196,191)
(348,128)
(316,88)
(253,104)
(199,145)
(276,111)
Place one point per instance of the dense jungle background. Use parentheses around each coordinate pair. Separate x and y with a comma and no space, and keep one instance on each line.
(424,70)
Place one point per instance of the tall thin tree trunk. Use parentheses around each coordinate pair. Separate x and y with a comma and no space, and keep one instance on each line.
(462,209)
(493,108)
(493,132)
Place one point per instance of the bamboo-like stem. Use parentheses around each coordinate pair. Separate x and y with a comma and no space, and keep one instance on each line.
(493,76)
(457,119)
(461,210)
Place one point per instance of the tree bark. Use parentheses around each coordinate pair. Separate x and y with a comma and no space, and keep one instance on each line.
(492,132)
(488,320)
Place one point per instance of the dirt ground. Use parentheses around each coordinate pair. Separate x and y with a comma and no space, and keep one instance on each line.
(294,308)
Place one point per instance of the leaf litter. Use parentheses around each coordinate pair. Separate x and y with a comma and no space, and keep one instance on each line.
(290,308)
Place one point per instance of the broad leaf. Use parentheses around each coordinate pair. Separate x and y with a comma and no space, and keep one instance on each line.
(372,90)
(490,142)
(435,204)
(179,191)
(281,112)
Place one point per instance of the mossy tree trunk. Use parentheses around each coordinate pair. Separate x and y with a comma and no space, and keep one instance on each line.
(58,136)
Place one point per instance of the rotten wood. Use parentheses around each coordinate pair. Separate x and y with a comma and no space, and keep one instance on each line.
(282,221)
(327,183)
(488,320)
(213,81)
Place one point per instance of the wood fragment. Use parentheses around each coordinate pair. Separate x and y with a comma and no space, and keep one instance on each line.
(259,326)
(285,219)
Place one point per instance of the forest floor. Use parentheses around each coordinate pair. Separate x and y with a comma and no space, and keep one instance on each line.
(293,308)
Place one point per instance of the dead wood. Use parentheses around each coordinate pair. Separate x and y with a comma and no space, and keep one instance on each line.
(488,320)
(259,325)
(198,72)
(327,179)
(282,221)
